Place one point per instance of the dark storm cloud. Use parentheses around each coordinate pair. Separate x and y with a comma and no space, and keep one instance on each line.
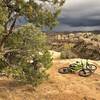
(80,22)
(80,14)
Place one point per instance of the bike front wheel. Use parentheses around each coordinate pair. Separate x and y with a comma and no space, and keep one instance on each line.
(92,67)
(85,72)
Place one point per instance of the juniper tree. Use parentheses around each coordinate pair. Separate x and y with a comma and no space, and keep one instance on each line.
(26,42)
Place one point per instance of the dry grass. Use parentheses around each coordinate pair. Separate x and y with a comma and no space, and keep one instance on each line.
(58,87)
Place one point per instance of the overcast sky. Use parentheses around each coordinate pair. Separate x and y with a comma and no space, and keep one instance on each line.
(80,15)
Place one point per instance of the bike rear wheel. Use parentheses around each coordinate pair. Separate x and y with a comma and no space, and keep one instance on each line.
(85,72)
(64,70)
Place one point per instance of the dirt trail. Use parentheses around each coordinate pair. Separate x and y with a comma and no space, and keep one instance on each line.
(58,87)
(70,86)
(79,88)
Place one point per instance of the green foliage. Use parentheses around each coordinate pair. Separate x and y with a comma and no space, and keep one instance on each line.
(41,13)
(3,14)
(29,73)
(27,44)
(27,36)
(46,59)
(3,64)
(26,74)
(19,46)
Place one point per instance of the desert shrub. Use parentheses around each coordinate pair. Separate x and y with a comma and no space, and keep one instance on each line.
(27,56)
(87,50)
(3,64)
(95,38)
(67,52)
(28,73)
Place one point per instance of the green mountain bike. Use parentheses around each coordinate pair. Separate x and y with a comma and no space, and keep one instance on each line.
(83,69)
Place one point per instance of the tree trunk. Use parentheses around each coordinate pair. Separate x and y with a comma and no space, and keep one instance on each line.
(5,37)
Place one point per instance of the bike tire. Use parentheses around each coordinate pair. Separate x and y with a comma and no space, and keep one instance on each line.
(85,72)
(64,70)
(92,67)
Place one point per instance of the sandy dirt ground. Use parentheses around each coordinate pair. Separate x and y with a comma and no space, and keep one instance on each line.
(58,87)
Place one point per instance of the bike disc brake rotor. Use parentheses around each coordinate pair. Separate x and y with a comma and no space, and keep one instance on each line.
(64,70)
